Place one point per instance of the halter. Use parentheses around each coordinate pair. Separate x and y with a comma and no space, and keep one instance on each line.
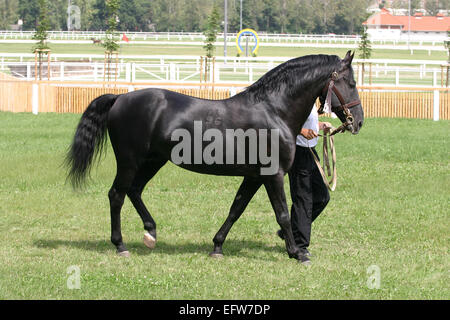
(344,107)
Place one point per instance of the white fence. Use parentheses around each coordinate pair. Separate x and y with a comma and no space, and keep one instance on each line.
(377,72)
(197,36)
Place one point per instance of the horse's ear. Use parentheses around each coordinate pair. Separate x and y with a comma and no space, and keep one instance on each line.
(348,58)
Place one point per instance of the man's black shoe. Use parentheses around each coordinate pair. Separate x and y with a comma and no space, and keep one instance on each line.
(303,250)
(304,260)
(306,252)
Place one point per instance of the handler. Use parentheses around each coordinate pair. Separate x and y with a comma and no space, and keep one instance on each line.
(308,191)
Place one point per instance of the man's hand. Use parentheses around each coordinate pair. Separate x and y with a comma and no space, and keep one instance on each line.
(308,133)
(325,126)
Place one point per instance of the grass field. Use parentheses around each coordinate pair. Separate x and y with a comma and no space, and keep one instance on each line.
(390,209)
(196,50)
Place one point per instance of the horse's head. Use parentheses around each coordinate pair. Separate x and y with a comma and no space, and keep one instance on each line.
(341,94)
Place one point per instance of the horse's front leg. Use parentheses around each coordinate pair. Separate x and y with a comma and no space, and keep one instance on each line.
(275,190)
(245,193)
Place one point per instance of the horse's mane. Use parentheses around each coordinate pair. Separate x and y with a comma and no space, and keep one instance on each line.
(292,74)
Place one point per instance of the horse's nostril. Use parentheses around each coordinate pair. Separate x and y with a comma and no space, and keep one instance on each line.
(360,124)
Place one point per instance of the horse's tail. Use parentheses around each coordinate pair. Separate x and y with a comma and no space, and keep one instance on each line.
(89,140)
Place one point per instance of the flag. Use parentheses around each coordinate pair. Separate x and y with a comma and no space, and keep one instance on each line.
(125,38)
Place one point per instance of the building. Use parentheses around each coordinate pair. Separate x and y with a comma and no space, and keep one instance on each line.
(383,25)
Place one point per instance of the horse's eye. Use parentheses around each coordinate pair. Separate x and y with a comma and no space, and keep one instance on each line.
(351,82)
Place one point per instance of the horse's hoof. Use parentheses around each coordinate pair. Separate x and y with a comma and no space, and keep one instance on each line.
(125,254)
(149,241)
(216,255)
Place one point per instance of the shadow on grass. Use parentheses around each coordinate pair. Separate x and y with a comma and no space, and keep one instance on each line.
(235,248)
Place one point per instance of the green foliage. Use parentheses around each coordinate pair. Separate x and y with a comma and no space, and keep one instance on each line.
(432,7)
(112,36)
(212,29)
(28,11)
(280,16)
(43,25)
(8,13)
(365,48)
(286,16)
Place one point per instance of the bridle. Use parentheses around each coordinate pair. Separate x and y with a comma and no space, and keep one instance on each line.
(327,91)
(328,139)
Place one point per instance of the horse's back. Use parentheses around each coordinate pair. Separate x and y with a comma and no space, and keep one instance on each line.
(144,119)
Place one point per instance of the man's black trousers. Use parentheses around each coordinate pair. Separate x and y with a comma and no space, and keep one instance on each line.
(309,195)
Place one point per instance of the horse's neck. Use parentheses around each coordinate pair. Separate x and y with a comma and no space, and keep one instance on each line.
(300,106)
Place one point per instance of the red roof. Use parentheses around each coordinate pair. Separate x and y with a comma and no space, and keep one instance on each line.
(418,22)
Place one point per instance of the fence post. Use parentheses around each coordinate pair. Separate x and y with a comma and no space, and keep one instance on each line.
(35,98)
(360,80)
(133,72)
(28,70)
(172,72)
(61,71)
(95,71)
(128,72)
(436,105)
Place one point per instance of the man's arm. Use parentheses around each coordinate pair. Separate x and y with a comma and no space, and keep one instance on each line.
(311,134)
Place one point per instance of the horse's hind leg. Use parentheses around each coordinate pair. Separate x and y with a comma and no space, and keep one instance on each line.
(245,193)
(116,195)
(145,172)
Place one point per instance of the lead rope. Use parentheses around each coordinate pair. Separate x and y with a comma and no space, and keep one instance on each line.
(328,143)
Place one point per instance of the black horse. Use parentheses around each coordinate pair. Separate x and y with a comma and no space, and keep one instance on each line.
(141,127)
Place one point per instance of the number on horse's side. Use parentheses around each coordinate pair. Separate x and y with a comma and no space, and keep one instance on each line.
(141,124)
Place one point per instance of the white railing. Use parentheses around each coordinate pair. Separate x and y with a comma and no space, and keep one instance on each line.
(381,72)
(199,37)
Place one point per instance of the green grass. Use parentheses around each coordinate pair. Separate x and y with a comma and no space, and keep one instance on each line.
(146,49)
(390,209)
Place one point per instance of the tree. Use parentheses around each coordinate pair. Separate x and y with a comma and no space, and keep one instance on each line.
(132,16)
(86,8)
(8,13)
(270,16)
(344,19)
(112,36)
(99,16)
(212,29)
(43,25)
(287,16)
(365,49)
(111,40)
(432,7)
(29,13)
(300,16)
(406,4)
(41,35)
